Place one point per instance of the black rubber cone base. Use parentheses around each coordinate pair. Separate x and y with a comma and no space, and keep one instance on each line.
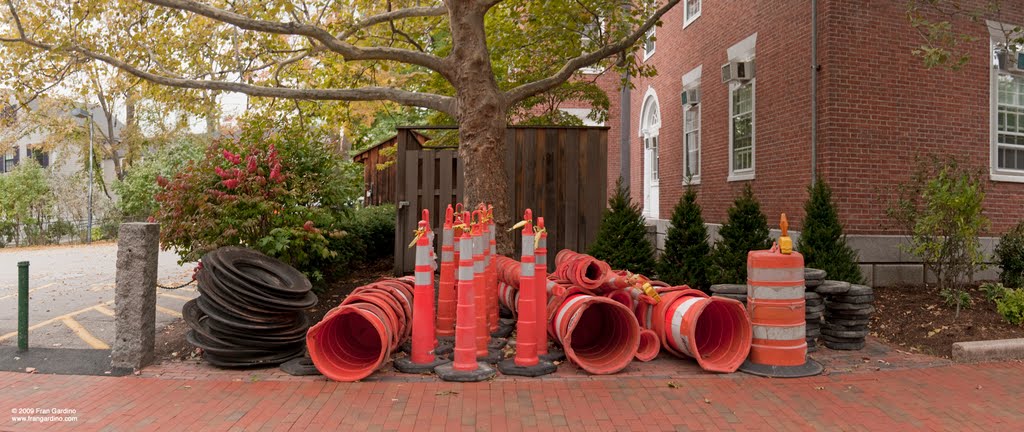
(302,366)
(406,365)
(809,368)
(503,329)
(509,367)
(493,356)
(447,372)
(553,355)
(407,346)
(497,343)
(450,340)
(444,348)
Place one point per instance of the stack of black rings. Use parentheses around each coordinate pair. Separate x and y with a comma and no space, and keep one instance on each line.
(250,309)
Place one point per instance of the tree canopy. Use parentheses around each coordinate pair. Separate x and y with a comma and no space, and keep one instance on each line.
(471,60)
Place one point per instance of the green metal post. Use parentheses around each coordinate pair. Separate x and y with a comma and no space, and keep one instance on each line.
(23,306)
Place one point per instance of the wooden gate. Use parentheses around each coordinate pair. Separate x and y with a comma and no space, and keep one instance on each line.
(559,172)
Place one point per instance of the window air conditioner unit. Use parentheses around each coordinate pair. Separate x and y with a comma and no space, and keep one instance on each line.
(1010,61)
(691,96)
(738,71)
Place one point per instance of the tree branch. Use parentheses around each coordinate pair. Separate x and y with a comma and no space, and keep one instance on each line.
(524,91)
(425,100)
(346,50)
(392,16)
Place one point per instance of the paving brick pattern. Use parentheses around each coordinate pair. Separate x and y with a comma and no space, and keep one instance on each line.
(959,397)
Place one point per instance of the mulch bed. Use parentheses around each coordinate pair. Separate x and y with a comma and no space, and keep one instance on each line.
(171,344)
(915,318)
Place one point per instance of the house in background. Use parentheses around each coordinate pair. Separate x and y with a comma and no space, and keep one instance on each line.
(64,160)
(741,99)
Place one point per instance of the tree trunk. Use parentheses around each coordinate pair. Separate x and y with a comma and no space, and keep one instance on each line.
(480,111)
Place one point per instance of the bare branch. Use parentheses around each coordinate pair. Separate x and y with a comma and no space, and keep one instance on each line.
(524,91)
(346,50)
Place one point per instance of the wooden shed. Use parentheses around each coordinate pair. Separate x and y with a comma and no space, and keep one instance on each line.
(380,170)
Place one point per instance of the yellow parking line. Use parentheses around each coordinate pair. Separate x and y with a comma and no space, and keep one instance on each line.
(46,323)
(103,310)
(176,296)
(29,291)
(84,334)
(168,311)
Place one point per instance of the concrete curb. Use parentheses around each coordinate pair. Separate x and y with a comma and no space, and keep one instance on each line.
(986,351)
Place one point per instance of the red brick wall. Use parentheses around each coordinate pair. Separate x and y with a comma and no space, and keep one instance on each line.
(783,83)
(879,108)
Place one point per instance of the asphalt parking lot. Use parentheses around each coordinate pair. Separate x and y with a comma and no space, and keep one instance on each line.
(71,294)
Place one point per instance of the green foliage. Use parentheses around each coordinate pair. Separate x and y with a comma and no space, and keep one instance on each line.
(277,191)
(26,201)
(746,229)
(373,232)
(1010,255)
(993,290)
(941,207)
(60,229)
(822,241)
(959,299)
(137,190)
(946,40)
(622,237)
(686,256)
(1011,306)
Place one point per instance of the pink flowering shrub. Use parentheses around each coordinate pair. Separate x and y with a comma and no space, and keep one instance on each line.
(277,192)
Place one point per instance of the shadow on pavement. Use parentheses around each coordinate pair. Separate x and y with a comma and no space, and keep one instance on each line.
(59,361)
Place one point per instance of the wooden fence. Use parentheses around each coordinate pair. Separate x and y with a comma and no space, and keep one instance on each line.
(559,172)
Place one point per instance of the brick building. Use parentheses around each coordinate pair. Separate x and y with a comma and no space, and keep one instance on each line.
(877,108)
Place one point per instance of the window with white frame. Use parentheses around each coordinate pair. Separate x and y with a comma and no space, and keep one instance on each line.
(1009,146)
(691,139)
(691,12)
(651,125)
(741,130)
(649,43)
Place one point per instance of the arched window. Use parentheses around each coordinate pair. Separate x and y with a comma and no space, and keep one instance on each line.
(650,125)
(650,129)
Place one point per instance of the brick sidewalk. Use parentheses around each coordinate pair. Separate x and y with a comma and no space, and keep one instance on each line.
(983,397)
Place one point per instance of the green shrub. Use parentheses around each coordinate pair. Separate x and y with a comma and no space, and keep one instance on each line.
(941,207)
(277,191)
(956,298)
(745,229)
(60,229)
(374,226)
(822,242)
(687,252)
(138,189)
(1011,306)
(1010,256)
(993,291)
(25,199)
(622,237)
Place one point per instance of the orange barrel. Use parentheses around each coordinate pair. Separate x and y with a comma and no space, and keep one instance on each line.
(775,301)
(598,334)
(714,331)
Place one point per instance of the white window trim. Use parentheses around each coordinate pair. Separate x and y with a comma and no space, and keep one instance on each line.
(996,174)
(695,180)
(687,20)
(652,33)
(746,174)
